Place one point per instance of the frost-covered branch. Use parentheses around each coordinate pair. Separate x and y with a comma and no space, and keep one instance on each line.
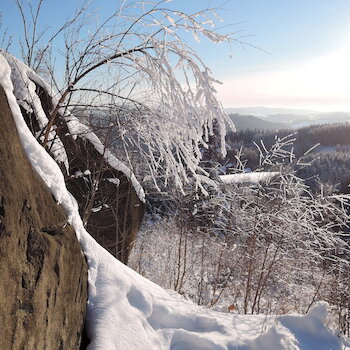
(137,59)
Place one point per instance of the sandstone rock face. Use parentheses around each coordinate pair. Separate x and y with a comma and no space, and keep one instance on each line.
(43,274)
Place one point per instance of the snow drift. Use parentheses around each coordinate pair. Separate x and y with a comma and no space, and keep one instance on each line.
(127,311)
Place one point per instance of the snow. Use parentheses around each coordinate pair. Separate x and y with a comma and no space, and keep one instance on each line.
(113,180)
(127,311)
(248,177)
(309,330)
(23,79)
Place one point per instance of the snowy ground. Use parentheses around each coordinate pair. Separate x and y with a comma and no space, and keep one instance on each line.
(127,311)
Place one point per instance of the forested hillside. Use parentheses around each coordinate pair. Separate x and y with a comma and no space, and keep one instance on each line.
(243,122)
(325,147)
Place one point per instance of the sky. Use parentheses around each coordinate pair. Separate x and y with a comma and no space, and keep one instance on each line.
(307,64)
(290,54)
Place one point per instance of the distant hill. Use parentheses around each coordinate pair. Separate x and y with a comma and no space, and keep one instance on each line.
(282,118)
(294,121)
(267,111)
(244,122)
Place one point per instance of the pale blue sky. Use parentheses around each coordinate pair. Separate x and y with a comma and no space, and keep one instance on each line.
(303,61)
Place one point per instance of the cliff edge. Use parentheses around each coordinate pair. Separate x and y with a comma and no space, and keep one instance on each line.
(43,289)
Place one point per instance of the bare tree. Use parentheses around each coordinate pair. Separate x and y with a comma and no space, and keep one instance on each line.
(6,39)
(136,64)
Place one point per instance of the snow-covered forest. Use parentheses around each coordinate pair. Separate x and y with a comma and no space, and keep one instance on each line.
(224,258)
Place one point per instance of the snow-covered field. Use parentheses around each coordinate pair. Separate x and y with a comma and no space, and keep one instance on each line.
(127,311)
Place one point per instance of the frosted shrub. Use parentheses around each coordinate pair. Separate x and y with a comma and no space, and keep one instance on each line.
(268,247)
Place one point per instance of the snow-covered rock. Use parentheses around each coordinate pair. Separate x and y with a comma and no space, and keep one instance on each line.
(25,82)
(43,288)
(95,176)
(127,311)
